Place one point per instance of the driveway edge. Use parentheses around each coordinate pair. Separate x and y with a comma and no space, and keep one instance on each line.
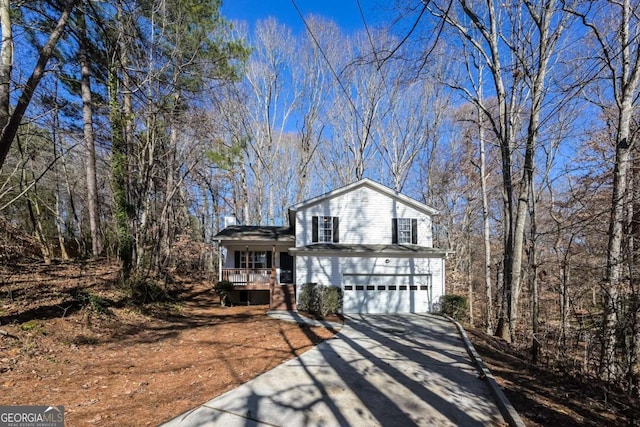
(508,411)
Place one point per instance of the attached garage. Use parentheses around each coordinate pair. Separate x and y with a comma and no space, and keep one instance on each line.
(386,293)
(375,279)
(373,243)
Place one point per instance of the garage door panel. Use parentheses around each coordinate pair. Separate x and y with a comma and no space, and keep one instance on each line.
(370,293)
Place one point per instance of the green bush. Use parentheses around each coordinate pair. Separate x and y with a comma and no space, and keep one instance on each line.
(330,300)
(320,299)
(98,303)
(94,302)
(223,288)
(454,305)
(307,300)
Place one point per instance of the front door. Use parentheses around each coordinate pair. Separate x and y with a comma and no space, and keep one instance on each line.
(286,268)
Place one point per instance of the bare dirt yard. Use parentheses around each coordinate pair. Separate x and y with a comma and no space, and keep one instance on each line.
(546,397)
(75,340)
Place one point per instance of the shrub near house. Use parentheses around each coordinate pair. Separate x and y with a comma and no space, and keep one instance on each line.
(318,299)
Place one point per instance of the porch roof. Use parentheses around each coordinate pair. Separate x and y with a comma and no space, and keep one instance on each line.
(256,233)
(360,249)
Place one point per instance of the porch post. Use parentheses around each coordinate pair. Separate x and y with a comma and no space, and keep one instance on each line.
(272,277)
(219,261)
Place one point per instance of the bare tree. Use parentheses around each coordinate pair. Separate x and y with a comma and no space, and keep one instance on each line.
(269,105)
(359,105)
(614,28)
(516,43)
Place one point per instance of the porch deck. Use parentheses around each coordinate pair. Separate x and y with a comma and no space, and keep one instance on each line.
(254,278)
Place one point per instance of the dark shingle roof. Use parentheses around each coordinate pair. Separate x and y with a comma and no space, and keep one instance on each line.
(355,249)
(256,232)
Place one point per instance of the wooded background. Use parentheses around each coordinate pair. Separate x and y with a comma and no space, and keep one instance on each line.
(130,128)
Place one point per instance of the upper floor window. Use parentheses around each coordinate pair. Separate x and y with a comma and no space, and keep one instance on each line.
(325,229)
(404,230)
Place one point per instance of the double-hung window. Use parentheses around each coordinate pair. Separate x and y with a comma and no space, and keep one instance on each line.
(325,229)
(404,231)
(253,259)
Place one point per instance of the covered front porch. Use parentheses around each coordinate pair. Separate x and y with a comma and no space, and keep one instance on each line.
(257,262)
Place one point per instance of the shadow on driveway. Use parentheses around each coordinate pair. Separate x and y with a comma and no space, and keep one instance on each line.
(379,370)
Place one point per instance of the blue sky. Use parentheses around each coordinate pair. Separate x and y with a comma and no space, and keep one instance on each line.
(344,12)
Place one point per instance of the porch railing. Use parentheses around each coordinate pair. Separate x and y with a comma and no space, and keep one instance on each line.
(244,276)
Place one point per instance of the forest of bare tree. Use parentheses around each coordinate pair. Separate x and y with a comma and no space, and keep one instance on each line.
(130,129)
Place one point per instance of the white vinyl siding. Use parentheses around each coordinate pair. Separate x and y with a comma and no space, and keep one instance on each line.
(324,270)
(364,218)
(377,271)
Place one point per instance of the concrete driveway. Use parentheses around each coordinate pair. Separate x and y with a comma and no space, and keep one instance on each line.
(380,370)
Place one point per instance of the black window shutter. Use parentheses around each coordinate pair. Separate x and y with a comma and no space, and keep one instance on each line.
(414,231)
(269,259)
(336,229)
(394,230)
(236,259)
(314,229)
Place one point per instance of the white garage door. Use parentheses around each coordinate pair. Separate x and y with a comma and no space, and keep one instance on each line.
(386,293)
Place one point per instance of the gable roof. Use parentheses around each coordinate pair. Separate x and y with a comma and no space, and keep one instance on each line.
(366,182)
(256,233)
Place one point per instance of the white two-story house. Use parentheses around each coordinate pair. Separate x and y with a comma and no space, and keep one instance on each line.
(370,241)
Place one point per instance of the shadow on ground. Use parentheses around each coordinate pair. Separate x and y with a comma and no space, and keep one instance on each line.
(386,370)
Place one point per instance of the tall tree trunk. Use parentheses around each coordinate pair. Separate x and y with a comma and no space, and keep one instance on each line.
(501,328)
(72,208)
(622,57)
(57,211)
(36,221)
(545,48)
(611,288)
(533,277)
(634,365)
(64,255)
(469,279)
(87,115)
(6,63)
(119,178)
(34,209)
(486,226)
(121,117)
(168,214)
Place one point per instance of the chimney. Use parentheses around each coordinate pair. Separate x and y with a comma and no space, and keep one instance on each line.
(229,220)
